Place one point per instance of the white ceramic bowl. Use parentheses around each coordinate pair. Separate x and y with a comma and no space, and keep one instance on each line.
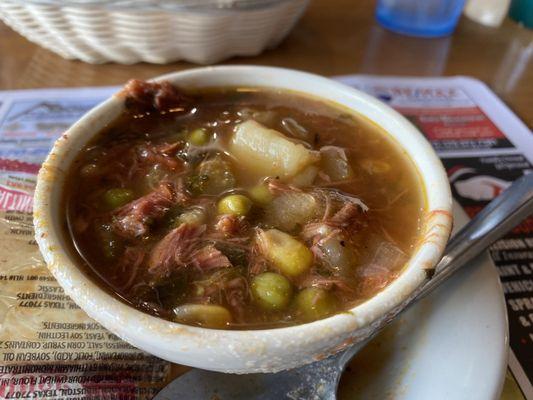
(254,350)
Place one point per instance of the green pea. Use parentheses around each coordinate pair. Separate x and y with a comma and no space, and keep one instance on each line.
(235,204)
(271,291)
(260,194)
(315,303)
(198,137)
(117,197)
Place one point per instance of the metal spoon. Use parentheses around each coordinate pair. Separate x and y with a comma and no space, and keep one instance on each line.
(319,380)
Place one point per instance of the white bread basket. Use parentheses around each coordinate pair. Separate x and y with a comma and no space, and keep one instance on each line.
(126,32)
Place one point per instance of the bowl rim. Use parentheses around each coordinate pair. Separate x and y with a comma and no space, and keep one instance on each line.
(116,315)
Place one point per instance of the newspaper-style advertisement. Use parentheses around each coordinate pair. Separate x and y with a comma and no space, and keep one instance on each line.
(484,148)
(50,349)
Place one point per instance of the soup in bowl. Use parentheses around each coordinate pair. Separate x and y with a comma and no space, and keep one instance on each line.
(241,219)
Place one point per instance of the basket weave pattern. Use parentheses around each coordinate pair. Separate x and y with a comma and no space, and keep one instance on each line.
(99,35)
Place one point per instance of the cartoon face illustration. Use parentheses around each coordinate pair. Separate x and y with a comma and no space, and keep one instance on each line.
(481,187)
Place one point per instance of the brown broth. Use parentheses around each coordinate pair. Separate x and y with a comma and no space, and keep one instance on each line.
(120,157)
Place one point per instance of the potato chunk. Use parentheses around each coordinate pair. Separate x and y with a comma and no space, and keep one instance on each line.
(335,163)
(315,303)
(267,152)
(291,210)
(208,315)
(289,255)
(212,176)
(306,177)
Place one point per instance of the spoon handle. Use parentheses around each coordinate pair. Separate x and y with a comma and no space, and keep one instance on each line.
(495,220)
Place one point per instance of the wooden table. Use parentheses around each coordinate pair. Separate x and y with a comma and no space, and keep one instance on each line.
(334,37)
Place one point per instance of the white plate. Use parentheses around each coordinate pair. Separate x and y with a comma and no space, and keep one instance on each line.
(453,345)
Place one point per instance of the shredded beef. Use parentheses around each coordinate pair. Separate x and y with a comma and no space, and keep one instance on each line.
(237,295)
(326,282)
(129,264)
(276,187)
(209,257)
(164,154)
(142,96)
(258,263)
(181,192)
(346,215)
(174,250)
(229,224)
(132,219)
(373,278)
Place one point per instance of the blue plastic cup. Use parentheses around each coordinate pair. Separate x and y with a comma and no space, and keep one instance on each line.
(426,18)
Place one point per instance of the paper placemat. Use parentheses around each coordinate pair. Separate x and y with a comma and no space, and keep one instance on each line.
(50,349)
